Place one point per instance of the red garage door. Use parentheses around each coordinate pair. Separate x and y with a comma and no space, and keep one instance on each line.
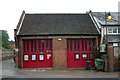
(78,52)
(37,53)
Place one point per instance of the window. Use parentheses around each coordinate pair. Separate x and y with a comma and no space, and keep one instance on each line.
(118,30)
(31,45)
(42,45)
(67,45)
(78,45)
(48,45)
(26,58)
(34,47)
(83,44)
(91,55)
(74,45)
(51,44)
(41,57)
(39,45)
(109,30)
(33,57)
(24,44)
(84,56)
(76,56)
(114,30)
(47,48)
(70,45)
(27,45)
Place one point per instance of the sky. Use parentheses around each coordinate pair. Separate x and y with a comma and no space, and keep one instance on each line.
(11,10)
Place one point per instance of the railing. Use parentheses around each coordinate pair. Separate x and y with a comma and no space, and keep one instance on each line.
(7,54)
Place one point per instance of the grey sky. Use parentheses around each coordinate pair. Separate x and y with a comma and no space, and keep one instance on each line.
(12,9)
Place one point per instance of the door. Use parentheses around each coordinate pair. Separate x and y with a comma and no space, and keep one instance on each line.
(79,51)
(37,53)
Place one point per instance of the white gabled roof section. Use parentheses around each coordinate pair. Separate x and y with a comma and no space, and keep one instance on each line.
(97,25)
(21,24)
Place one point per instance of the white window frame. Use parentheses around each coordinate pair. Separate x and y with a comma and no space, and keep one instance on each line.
(112,30)
(116,31)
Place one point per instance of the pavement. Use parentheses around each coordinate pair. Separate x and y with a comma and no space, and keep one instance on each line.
(9,71)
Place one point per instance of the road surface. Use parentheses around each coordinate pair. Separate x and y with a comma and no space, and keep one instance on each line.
(9,70)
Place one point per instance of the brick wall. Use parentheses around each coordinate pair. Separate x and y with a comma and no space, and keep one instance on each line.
(111,57)
(59,53)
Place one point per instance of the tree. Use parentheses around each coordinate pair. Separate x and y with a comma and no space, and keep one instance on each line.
(5,39)
(0,39)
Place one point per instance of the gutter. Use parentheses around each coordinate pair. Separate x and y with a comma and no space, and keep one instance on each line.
(23,16)
(97,25)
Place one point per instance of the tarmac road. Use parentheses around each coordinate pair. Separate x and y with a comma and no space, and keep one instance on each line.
(8,70)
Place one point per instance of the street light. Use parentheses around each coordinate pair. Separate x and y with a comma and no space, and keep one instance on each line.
(108,16)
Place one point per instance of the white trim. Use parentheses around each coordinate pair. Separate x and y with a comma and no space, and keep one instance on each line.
(96,24)
(20,24)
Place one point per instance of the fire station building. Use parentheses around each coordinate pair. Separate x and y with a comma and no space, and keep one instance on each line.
(55,40)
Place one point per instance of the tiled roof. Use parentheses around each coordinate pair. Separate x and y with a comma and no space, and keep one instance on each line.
(45,24)
(102,19)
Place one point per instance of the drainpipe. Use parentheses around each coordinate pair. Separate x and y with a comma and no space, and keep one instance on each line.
(102,35)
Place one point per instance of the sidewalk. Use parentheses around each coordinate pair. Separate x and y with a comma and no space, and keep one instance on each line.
(9,70)
(70,73)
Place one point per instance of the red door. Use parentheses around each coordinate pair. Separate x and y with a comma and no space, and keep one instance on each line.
(78,52)
(37,53)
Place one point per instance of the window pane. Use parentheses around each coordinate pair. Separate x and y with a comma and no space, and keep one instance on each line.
(85,42)
(70,45)
(114,30)
(75,45)
(33,57)
(31,45)
(34,46)
(82,44)
(24,44)
(67,45)
(42,45)
(51,44)
(39,47)
(89,44)
(46,44)
(109,30)
(93,44)
(78,44)
(118,30)
(27,45)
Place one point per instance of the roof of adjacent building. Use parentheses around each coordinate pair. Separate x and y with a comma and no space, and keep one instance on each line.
(104,21)
(46,24)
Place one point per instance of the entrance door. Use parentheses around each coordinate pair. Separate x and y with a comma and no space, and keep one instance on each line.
(37,53)
(78,52)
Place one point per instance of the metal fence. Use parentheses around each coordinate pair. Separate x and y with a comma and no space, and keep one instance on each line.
(7,54)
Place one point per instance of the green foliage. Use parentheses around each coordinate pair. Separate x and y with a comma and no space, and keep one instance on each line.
(5,39)
(0,39)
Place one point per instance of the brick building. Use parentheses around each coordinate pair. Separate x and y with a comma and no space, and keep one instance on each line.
(110,31)
(55,40)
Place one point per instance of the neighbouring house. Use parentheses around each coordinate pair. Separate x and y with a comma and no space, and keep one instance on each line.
(56,40)
(110,35)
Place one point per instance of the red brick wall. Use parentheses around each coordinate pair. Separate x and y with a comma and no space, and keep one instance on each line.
(111,57)
(59,53)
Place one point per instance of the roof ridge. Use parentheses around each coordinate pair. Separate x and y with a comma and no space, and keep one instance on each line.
(56,13)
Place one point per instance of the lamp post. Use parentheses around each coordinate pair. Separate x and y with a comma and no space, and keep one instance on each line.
(107,17)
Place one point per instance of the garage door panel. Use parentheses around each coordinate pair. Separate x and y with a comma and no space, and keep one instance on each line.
(39,53)
(78,52)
